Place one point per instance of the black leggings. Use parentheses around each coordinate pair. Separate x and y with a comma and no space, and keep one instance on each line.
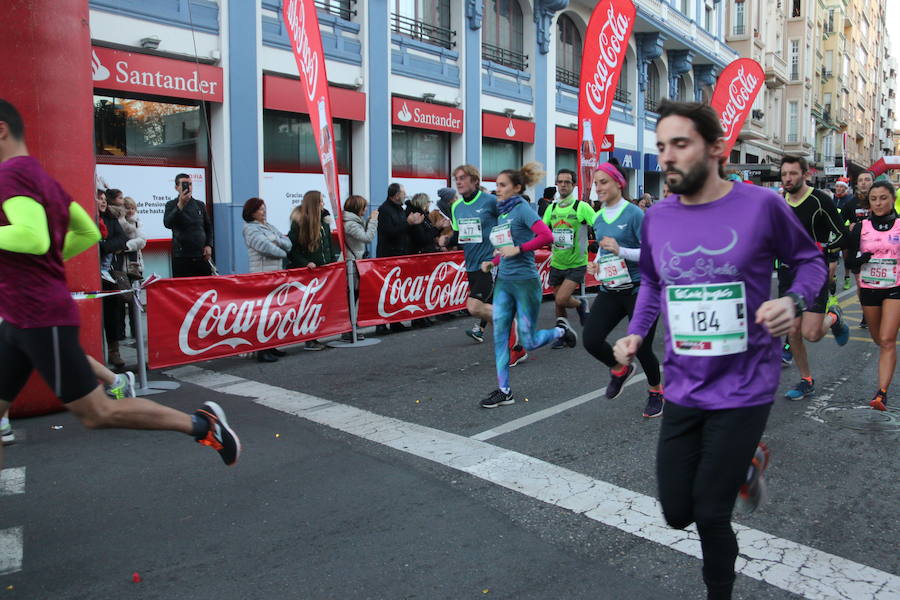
(701,462)
(608,310)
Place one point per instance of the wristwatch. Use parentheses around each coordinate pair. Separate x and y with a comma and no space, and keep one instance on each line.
(799,303)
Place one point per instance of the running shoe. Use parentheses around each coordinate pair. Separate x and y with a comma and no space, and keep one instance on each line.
(476,333)
(517,355)
(7,435)
(617,382)
(801,390)
(879,402)
(863,324)
(831,303)
(123,387)
(839,329)
(314,346)
(582,311)
(787,357)
(558,344)
(654,406)
(569,337)
(753,491)
(846,283)
(220,437)
(498,398)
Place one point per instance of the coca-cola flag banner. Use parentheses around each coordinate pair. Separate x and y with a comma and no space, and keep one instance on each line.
(605,45)
(306,41)
(199,318)
(406,288)
(734,95)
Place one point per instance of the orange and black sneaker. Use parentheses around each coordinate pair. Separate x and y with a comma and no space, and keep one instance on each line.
(753,491)
(220,437)
(879,402)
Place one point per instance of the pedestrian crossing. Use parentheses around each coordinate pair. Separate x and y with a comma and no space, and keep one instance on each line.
(12,483)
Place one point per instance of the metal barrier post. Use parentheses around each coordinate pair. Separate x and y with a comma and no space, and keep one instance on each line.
(356,342)
(145,388)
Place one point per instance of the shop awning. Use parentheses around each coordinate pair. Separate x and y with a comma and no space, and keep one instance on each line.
(284,93)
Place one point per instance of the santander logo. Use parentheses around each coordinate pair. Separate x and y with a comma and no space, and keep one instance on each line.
(288,311)
(307,59)
(741,91)
(510,129)
(445,286)
(598,89)
(404,114)
(98,71)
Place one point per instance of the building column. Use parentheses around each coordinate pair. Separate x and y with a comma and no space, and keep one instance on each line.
(243,114)
(378,98)
(472,82)
(545,86)
(649,48)
(679,64)
(704,76)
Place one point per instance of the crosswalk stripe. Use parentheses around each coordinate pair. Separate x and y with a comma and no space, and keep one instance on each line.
(11,550)
(12,481)
(779,562)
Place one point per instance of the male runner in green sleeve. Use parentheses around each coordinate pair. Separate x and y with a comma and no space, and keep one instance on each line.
(569,219)
(40,226)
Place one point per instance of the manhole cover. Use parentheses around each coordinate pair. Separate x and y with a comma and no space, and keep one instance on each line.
(862,418)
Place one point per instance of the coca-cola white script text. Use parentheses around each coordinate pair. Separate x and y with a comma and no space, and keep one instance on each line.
(288,311)
(436,290)
(599,89)
(308,61)
(740,92)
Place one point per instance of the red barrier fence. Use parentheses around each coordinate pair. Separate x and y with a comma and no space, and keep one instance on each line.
(200,318)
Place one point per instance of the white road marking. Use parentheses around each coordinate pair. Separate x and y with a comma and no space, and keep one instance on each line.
(11,550)
(782,563)
(12,481)
(549,412)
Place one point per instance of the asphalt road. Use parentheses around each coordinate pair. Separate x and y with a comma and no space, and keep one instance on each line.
(351,485)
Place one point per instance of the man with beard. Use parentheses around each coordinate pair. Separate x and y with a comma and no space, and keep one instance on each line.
(706,262)
(820,219)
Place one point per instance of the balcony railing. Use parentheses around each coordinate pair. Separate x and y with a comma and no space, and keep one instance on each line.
(622,96)
(342,8)
(502,56)
(650,103)
(566,76)
(740,30)
(425,32)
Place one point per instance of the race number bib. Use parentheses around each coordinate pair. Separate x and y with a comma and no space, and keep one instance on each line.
(470,231)
(563,238)
(707,319)
(501,236)
(613,272)
(879,273)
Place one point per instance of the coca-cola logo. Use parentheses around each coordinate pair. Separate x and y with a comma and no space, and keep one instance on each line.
(741,91)
(544,272)
(599,89)
(307,59)
(288,311)
(444,287)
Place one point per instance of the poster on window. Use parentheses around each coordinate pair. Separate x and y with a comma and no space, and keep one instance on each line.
(151,188)
(283,191)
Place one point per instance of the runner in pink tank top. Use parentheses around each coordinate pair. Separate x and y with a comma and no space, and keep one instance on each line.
(874,251)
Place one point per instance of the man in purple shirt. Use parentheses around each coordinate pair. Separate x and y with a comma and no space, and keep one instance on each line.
(706,263)
(40,227)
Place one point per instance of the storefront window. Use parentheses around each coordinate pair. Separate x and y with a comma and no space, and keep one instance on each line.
(419,153)
(132,128)
(289,143)
(566,159)
(497,155)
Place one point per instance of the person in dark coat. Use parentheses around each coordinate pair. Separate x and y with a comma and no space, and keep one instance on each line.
(394,224)
(112,258)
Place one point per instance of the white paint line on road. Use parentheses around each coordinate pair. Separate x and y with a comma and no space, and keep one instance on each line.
(549,412)
(12,481)
(782,563)
(11,550)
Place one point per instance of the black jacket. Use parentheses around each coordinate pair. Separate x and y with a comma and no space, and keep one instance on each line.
(393,231)
(115,241)
(423,236)
(191,228)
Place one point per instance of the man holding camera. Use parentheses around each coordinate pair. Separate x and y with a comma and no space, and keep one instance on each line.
(191,231)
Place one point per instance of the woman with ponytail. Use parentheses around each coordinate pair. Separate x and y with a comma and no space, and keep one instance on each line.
(517,291)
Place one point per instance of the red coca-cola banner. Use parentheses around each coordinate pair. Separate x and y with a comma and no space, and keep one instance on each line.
(306,41)
(736,89)
(410,287)
(199,318)
(605,45)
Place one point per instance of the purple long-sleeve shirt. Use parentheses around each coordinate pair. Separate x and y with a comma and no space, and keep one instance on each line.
(733,239)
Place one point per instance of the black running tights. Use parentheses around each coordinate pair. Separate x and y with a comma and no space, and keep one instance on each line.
(701,462)
(608,310)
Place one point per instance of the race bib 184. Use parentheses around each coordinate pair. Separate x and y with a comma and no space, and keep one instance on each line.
(707,319)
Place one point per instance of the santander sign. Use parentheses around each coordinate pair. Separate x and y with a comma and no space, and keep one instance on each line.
(146,74)
(413,113)
(734,95)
